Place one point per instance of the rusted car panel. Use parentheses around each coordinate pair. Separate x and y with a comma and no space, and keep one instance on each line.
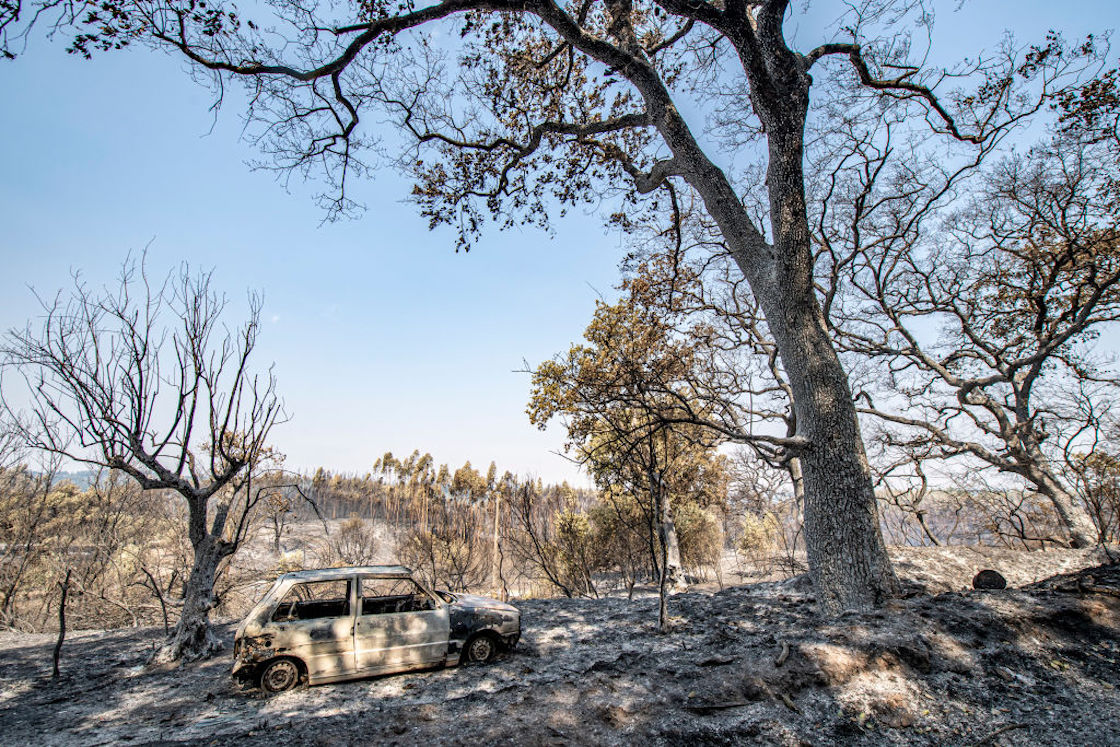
(340,623)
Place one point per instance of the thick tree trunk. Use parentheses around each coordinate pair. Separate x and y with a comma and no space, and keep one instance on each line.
(848,561)
(192,637)
(847,558)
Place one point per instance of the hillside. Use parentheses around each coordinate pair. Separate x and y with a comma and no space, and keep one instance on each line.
(1034,665)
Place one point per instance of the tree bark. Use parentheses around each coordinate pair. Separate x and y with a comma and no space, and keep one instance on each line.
(667,533)
(1082,531)
(848,560)
(192,638)
(847,557)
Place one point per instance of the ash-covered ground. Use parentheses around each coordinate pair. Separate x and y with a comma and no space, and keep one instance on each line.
(755,664)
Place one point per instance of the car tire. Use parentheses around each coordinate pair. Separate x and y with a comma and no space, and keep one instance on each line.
(280,675)
(480,648)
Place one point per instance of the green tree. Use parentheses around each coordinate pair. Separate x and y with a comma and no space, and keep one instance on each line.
(619,414)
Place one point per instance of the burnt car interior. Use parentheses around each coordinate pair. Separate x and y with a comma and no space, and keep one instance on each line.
(383,596)
(314,600)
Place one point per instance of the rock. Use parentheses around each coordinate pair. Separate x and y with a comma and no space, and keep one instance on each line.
(989,579)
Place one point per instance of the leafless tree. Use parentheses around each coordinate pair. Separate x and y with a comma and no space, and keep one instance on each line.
(1095,470)
(143,378)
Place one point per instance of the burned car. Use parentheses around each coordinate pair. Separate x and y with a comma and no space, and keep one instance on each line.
(334,624)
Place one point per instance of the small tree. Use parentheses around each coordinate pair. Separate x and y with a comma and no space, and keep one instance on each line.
(621,418)
(354,543)
(143,378)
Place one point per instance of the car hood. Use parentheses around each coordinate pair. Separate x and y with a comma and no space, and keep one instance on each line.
(472,601)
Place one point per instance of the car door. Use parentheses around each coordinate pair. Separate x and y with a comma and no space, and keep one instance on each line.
(399,626)
(314,622)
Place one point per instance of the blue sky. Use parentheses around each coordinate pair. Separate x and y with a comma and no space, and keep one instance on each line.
(383,337)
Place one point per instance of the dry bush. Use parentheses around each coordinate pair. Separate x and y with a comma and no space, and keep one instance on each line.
(624,539)
(452,550)
(1016,518)
(534,542)
(575,546)
(353,543)
(1098,482)
(118,542)
(700,533)
(759,539)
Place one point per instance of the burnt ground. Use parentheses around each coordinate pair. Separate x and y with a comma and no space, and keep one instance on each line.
(1037,665)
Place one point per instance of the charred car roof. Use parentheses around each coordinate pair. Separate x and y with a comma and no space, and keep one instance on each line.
(324,574)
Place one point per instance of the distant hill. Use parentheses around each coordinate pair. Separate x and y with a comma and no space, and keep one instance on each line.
(82,479)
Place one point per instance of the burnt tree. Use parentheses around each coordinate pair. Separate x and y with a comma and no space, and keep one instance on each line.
(144,378)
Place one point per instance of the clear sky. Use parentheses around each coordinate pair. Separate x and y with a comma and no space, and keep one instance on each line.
(383,337)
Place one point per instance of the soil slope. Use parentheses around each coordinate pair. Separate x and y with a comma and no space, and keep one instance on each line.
(752,664)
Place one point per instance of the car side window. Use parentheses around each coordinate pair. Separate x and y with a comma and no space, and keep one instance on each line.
(386,596)
(314,600)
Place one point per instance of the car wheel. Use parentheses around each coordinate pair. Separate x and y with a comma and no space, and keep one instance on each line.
(480,649)
(280,675)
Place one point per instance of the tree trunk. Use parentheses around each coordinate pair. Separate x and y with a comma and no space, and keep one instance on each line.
(192,638)
(64,591)
(663,583)
(670,576)
(671,549)
(495,556)
(277,533)
(793,467)
(848,560)
(1076,520)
